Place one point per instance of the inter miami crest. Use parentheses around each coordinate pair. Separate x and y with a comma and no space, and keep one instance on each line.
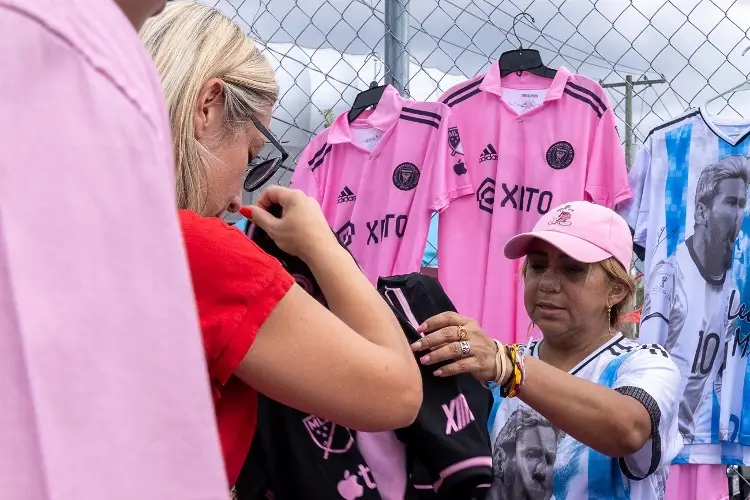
(560,155)
(406,176)
(454,141)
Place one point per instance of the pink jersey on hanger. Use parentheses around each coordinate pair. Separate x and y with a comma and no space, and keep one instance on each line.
(380,178)
(530,144)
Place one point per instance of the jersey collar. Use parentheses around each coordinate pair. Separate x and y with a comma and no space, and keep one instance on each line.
(617,337)
(385,114)
(492,81)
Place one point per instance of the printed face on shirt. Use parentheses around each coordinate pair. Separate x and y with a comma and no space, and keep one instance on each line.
(723,219)
(562,295)
(524,456)
(535,460)
(228,151)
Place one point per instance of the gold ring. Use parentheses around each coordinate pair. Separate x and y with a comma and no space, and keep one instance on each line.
(463,334)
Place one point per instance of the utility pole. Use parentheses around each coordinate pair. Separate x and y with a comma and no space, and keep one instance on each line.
(396,39)
(629,84)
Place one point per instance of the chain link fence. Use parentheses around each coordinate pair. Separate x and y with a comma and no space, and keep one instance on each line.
(656,58)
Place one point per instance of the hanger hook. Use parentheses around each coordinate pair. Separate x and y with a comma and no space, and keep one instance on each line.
(745,51)
(516,20)
(378,59)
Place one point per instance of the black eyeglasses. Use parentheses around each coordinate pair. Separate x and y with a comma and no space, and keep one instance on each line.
(259,173)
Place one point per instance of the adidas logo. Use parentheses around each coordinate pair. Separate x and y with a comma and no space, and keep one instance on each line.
(488,154)
(346,195)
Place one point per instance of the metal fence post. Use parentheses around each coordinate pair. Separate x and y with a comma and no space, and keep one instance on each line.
(396,36)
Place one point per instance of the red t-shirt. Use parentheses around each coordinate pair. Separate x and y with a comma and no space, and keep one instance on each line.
(236,285)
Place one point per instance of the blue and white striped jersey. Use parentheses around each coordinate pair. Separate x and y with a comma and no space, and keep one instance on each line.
(690,187)
(533,460)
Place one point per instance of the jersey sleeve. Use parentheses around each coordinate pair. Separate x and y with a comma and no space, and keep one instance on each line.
(651,377)
(303,177)
(450,179)
(236,287)
(607,175)
(635,210)
(664,308)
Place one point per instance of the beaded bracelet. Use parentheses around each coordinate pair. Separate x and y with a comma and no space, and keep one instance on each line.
(513,387)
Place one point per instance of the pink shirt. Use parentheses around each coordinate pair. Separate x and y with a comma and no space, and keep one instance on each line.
(530,144)
(380,178)
(102,373)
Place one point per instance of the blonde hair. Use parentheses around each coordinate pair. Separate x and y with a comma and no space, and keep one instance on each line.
(615,274)
(190,44)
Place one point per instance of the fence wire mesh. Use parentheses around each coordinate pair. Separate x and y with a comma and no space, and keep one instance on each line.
(327,51)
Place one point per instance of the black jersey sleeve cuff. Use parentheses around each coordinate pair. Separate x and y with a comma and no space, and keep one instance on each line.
(654,414)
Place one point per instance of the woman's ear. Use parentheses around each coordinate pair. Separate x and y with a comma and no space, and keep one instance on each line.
(209,109)
(617,293)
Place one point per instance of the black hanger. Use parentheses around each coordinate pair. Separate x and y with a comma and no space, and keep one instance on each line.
(523,59)
(365,99)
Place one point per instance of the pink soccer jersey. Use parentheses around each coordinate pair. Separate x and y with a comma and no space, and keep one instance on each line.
(380,178)
(530,144)
(103,385)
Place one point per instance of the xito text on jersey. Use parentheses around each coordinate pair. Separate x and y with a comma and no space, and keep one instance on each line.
(516,196)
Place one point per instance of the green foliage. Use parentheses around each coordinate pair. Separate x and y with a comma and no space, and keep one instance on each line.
(327,116)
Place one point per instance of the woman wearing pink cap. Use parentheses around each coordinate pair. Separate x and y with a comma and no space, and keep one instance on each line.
(582,412)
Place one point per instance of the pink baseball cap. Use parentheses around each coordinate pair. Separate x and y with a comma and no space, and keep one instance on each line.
(585,231)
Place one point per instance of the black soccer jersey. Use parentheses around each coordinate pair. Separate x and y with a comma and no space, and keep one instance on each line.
(445,453)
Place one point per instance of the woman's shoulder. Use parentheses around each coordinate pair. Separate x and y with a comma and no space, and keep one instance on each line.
(196,226)
(655,353)
(210,242)
(644,364)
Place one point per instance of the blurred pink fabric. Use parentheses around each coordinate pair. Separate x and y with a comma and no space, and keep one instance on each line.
(697,482)
(103,386)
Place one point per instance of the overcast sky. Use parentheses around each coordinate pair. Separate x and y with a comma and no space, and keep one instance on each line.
(321,49)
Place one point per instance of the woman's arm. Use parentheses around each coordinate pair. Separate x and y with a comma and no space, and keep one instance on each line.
(599,417)
(350,364)
(355,369)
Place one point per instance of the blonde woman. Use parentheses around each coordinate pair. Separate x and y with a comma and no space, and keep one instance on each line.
(584,412)
(261,331)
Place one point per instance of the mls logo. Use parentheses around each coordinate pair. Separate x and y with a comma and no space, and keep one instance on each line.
(454,141)
(327,436)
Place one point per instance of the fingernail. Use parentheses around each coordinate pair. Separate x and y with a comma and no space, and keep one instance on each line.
(437,373)
(422,327)
(416,345)
(424,359)
(246,212)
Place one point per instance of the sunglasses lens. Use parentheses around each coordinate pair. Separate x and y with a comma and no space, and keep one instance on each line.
(259,174)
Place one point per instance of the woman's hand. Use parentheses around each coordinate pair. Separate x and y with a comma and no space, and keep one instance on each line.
(443,342)
(302,229)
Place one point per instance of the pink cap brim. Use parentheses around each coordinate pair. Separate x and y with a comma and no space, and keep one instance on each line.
(579,249)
